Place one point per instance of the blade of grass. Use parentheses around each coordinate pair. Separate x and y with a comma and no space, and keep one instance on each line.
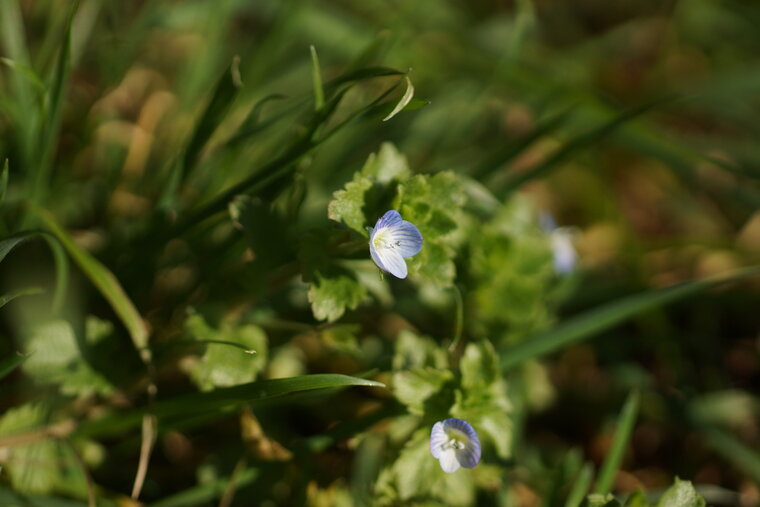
(59,258)
(9,364)
(581,486)
(316,80)
(106,283)
(7,298)
(599,319)
(251,393)
(578,143)
(4,181)
(224,94)
(203,494)
(625,425)
(405,99)
(41,177)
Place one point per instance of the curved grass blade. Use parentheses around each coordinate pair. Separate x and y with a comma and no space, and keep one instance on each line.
(405,99)
(581,486)
(7,298)
(599,319)
(59,258)
(578,143)
(316,80)
(623,432)
(106,283)
(225,92)
(251,393)
(9,364)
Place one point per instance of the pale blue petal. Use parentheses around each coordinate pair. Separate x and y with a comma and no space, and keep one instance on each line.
(448,461)
(470,455)
(391,261)
(375,257)
(438,437)
(565,256)
(390,218)
(407,238)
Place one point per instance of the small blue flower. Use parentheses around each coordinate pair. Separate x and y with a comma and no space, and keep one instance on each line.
(454,443)
(561,241)
(391,240)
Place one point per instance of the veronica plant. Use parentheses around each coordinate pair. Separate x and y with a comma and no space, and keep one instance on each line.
(391,240)
(454,443)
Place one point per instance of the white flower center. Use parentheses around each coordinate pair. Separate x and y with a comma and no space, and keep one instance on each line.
(453,444)
(382,239)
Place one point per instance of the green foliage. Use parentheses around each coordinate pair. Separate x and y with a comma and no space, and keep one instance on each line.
(222,365)
(681,494)
(56,358)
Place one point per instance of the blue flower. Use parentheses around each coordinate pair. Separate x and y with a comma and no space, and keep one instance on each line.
(454,443)
(391,240)
(565,256)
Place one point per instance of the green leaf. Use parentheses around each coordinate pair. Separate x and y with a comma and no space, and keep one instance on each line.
(9,364)
(580,486)
(8,244)
(479,365)
(222,365)
(252,394)
(316,80)
(330,296)
(413,351)
(611,464)
(106,283)
(434,204)
(56,359)
(681,494)
(361,201)
(7,298)
(605,317)
(415,387)
(31,467)
(405,99)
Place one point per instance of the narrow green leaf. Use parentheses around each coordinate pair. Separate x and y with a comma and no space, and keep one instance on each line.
(9,364)
(7,298)
(4,181)
(316,80)
(581,486)
(11,242)
(105,282)
(27,73)
(580,142)
(205,493)
(600,319)
(59,257)
(611,464)
(251,393)
(733,450)
(405,99)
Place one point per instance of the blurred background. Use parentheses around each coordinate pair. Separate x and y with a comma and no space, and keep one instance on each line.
(634,124)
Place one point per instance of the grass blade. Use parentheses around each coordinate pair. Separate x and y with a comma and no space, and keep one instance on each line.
(251,393)
(316,80)
(4,181)
(405,99)
(581,486)
(611,464)
(11,242)
(599,319)
(7,298)
(203,494)
(9,364)
(106,283)
(578,143)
